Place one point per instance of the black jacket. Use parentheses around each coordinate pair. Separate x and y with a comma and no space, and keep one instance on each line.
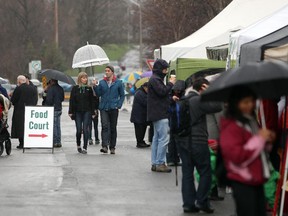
(158,97)
(55,97)
(23,95)
(81,100)
(139,108)
(198,111)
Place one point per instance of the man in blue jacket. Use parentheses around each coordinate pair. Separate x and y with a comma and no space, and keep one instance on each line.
(111,93)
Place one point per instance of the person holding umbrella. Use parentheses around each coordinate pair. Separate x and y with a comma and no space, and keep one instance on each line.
(112,95)
(243,147)
(55,97)
(81,108)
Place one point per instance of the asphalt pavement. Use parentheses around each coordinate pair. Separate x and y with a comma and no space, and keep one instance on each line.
(38,182)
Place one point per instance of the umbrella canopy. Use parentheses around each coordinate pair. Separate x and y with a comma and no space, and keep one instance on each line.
(140,82)
(89,55)
(57,75)
(132,77)
(147,74)
(3,81)
(267,79)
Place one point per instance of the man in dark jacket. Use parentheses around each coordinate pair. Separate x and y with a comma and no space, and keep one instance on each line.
(55,97)
(158,112)
(35,92)
(3,91)
(21,97)
(139,115)
(111,93)
(194,151)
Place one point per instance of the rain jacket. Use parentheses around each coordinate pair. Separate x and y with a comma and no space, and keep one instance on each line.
(139,109)
(110,97)
(241,153)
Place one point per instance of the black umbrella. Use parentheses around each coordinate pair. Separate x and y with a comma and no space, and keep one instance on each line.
(57,75)
(267,79)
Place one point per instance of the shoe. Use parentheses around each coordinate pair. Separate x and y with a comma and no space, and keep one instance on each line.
(142,145)
(216,198)
(104,150)
(153,168)
(84,151)
(90,142)
(97,142)
(207,208)
(57,145)
(112,151)
(79,149)
(19,147)
(191,210)
(163,168)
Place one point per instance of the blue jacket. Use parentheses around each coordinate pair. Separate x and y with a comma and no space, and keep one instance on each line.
(55,97)
(110,97)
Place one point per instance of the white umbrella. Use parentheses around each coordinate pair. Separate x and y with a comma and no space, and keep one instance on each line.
(89,55)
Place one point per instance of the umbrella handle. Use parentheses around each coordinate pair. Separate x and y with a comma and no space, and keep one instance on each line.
(262,115)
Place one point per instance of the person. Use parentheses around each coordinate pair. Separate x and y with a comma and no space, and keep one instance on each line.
(81,109)
(194,151)
(111,92)
(55,97)
(48,84)
(139,115)
(35,92)
(3,91)
(158,112)
(243,146)
(172,155)
(95,120)
(21,97)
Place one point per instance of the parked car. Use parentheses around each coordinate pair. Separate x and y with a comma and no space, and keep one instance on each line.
(66,87)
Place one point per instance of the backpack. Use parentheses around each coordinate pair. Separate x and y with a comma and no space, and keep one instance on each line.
(180,118)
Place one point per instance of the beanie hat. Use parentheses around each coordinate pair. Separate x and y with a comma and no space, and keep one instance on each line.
(110,67)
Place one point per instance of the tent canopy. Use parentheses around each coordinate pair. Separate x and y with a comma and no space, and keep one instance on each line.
(253,51)
(265,26)
(238,14)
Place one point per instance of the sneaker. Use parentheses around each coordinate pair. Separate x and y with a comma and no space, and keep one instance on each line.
(97,142)
(112,151)
(84,151)
(79,149)
(104,150)
(90,142)
(153,168)
(163,168)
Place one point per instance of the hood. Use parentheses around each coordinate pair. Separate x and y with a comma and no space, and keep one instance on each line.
(159,66)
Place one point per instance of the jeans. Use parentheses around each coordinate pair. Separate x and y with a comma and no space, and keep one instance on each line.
(160,141)
(249,200)
(199,158)
(109,121)
(57,127)
(83,123)
(95,124)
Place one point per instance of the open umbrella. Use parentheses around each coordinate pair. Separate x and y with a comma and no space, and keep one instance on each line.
(57,75)
(140,82)
(132,77)
(147,74)
(89,55)
(267,79)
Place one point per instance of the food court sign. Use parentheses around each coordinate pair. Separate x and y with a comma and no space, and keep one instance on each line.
(38,132)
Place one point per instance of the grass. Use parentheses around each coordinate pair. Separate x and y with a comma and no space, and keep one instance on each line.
(115,52)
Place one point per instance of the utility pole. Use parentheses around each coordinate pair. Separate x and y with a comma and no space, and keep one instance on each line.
(56,23)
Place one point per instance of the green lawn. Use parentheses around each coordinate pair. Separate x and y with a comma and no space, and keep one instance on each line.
(115,52)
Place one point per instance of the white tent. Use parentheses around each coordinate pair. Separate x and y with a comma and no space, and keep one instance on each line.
(265,26)
(238,14)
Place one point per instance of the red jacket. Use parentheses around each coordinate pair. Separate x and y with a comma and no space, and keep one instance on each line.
(241,153)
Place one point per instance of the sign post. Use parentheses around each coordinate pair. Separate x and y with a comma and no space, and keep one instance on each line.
(38,127)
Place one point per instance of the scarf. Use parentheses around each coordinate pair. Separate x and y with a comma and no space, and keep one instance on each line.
(82,88)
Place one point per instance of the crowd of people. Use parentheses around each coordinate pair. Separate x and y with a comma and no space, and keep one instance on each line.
(178,131)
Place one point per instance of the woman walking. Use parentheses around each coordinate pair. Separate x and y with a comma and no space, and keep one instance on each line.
(243,146)
(81,109)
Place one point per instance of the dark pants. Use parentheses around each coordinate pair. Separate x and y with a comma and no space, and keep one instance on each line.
(198,157)
(249,200)
(83,123)
(172,155)
(140,131)
(95,122)
(109,127)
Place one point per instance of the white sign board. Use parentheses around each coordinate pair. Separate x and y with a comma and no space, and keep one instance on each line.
(38,130)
